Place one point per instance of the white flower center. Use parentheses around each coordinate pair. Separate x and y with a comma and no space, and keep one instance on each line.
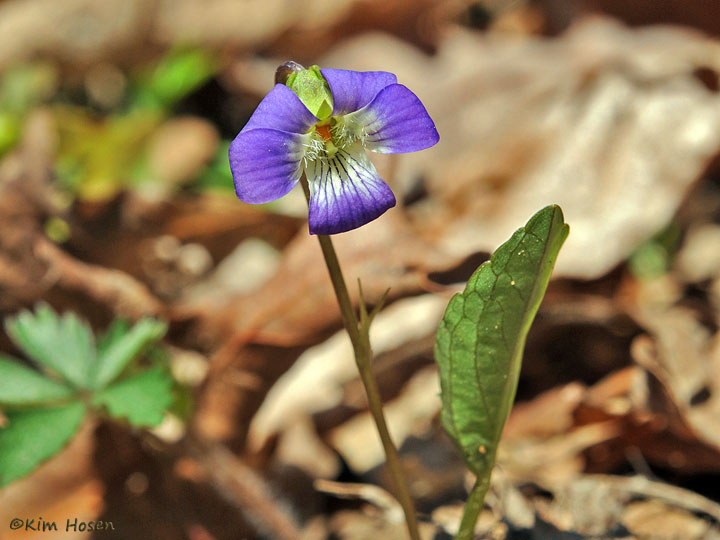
(326,138)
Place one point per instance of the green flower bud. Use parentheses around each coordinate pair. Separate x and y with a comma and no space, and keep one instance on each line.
(313,90)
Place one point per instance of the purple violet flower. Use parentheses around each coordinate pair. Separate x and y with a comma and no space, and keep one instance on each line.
(283,139)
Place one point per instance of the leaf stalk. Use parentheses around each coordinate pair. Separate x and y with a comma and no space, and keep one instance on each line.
(473,507)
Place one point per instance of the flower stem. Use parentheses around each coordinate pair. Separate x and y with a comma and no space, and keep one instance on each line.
(473,507)
(346,309)
(360,340)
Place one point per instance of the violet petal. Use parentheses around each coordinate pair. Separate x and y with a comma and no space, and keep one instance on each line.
(352,90)
(265,163)
(281,109)
(346,192)
(395,121)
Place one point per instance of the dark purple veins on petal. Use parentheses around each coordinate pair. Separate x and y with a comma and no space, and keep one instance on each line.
(346,192)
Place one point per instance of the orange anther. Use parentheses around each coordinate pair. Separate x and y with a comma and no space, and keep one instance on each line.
(324,132)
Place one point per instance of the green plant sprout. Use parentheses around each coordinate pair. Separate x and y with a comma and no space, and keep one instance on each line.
(313,128)
(44,407)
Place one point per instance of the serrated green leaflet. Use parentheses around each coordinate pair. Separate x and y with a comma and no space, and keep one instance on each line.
(33,436)
(20,385)
(118,349)
(63,344)
(481,338)
(117,329)
(141,399)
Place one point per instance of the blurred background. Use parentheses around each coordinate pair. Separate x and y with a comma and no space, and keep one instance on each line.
(116,201)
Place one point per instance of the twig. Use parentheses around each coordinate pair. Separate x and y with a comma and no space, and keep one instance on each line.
(123,293)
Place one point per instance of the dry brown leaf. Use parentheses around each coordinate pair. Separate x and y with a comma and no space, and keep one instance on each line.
(647,421)
(600,427)
(682,346)
(409,414)
(298,305)
(654,519)
(678,392)
(542,440)
(681,357)
(696,13)
(248,267)
(243,23)
(265,332)
(300,446)
(370,493)
(448,519)
(349,525)
(557,459)
(699,257)
(84,31)
(548,414)
(218,223)
(77,29)
(316,382)
(87,31)
(598,504)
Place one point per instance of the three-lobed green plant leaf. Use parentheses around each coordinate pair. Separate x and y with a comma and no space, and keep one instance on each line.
(34,435)
(22,385)
(65,347)
(141,399)
(480,340)
(64,344)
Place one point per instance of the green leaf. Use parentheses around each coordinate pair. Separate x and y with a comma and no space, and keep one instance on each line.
(35,435)
(178,74)
(141,399)
(64,344)
(480,340)
(122,348)
(20,385)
